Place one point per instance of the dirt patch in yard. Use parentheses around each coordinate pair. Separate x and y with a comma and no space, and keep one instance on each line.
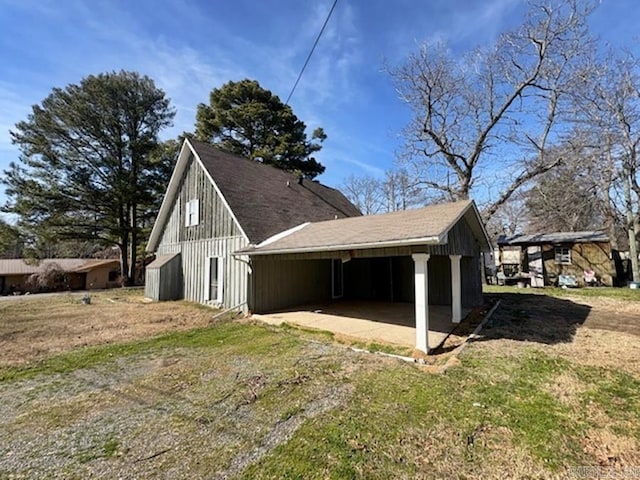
(600,332)
(33,328)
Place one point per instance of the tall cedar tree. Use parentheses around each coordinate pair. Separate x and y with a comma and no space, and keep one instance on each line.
(88,169)
(10,241)
(248,120)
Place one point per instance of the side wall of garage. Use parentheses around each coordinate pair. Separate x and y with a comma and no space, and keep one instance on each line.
(287,283)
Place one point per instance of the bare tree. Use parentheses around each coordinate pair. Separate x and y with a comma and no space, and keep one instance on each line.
(568,197)
(511,218)
(364,192)
(495,110)
(400,191)
(51,277)
(610,102)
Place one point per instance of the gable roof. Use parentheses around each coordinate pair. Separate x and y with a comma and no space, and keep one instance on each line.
(262,199)
(557,237)
(79,265)
(428,225)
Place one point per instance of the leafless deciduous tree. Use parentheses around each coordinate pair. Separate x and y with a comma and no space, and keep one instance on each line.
(396,191)
(400,192)
(496,110)
(610,101)
(566,198)
(365,192)
(511,218)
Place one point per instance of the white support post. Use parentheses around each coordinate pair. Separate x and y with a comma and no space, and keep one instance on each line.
(421,281)
(456,289)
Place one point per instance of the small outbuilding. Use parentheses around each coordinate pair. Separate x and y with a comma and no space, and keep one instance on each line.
(552,258)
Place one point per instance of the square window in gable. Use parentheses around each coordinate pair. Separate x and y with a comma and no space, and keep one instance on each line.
(192,214)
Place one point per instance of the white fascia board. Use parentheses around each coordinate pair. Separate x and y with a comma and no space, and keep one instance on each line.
(215,186)
(168,201)
(353,246)
(281,235)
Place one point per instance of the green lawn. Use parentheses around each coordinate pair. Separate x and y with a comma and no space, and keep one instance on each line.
(241,400)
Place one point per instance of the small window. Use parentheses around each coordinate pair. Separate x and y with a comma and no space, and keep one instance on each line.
(192,215)
(213,287)
(563,255)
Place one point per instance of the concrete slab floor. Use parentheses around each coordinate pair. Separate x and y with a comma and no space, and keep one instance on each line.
(370,321)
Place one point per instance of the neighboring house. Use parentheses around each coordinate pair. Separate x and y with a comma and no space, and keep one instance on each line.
(551,257)
(237,233)
(18,276)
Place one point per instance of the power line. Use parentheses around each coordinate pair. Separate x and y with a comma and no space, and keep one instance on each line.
(311,52)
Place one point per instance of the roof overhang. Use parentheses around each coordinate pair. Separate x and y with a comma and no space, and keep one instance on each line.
(270,246)
(252,251)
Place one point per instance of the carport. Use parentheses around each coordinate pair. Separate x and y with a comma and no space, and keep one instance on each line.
(426,258)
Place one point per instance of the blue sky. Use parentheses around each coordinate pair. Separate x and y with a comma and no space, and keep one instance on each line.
(191,46)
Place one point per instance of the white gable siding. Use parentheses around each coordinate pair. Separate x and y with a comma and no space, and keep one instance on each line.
(216,235)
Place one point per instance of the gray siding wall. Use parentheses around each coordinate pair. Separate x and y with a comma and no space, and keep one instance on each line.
(470,270)
(293,279)
(286,283)
(216,235)
(164,282)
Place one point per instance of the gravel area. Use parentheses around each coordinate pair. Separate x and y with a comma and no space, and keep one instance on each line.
(178,414)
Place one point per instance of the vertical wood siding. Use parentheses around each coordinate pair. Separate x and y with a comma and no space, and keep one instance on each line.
(280,283)
(471,273)
(216,235)
(165,282)
(285,283)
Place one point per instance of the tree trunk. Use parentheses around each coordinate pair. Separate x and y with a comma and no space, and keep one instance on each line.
(123,224)
(124,258)
(134,244)
(633,245)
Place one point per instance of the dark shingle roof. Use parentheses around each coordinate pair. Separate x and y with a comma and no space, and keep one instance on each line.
(262,201)
(557,237)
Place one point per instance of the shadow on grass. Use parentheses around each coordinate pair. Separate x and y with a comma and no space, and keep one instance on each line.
(534,318)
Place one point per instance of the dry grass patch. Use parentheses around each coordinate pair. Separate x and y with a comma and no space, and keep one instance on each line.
(601,348)
(33,328)
(611,450)
(567,388)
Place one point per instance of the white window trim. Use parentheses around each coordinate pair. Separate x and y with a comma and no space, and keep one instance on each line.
(207,280)
(195,205)
(561,258)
